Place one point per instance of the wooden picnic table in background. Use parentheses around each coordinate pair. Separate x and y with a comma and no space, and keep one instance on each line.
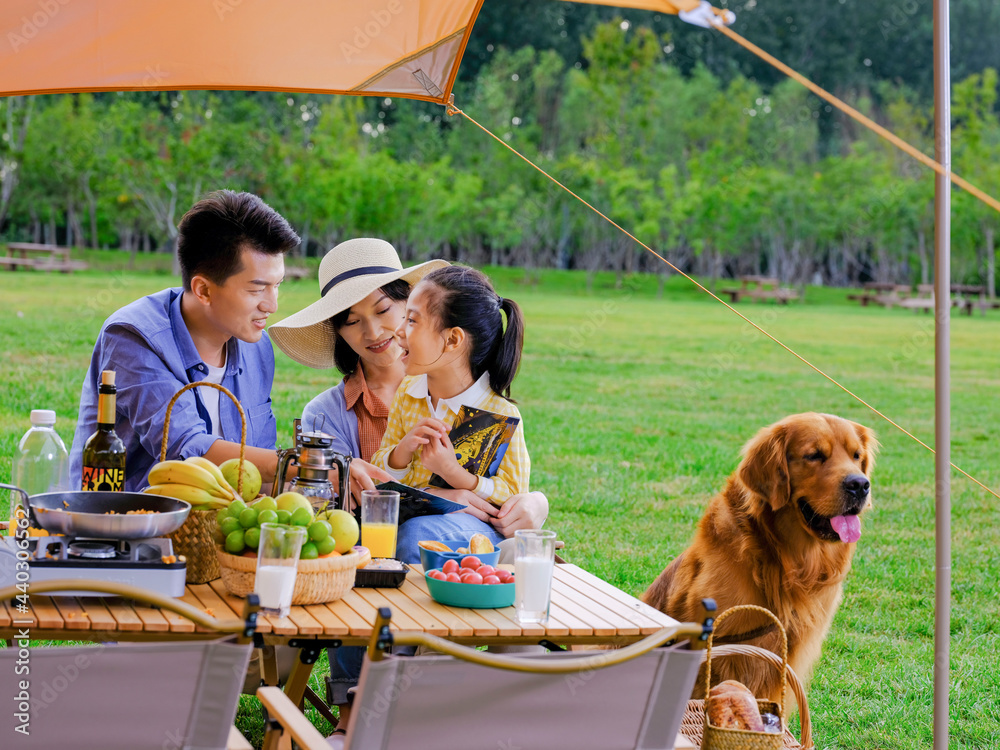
(40,257)
(886,294)
(760,287)
(966,297)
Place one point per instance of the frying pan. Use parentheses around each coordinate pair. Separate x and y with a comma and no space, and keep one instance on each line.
(102,515)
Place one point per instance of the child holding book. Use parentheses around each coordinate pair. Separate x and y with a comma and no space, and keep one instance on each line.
(457,353)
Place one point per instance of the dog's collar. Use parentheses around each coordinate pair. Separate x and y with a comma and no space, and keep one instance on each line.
(750,635)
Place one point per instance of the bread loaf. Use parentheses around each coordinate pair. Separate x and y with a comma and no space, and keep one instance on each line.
(731,705)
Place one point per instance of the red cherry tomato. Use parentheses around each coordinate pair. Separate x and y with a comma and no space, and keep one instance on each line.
(450,566)
(491,580)
(472,578)
(472,562)
(503,575)
(453,577)
(486,570)
(436,574)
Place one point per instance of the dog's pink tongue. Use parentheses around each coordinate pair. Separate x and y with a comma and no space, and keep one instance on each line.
(847,527)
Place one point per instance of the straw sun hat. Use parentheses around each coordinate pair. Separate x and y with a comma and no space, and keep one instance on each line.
(348,273)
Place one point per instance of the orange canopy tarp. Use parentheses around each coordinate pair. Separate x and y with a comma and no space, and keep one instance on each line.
(409,48)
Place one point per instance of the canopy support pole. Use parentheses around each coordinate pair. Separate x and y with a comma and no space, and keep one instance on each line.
(942,370)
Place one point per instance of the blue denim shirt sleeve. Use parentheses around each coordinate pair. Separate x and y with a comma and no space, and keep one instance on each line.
(148,351)
(328,413)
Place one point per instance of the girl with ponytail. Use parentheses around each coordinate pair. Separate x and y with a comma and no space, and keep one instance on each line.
(461,345)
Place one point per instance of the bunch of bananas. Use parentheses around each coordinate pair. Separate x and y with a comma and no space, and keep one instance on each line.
(195,480)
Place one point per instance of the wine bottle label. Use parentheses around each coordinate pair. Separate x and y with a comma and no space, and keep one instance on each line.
(100,479)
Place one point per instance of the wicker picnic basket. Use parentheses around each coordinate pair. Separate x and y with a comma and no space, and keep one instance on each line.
(316,582)
(196,539)
(697,727)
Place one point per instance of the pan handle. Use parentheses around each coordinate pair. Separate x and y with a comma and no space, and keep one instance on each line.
(26,502)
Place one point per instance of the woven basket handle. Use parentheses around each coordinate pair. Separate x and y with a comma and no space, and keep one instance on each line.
(243,424)
(805,722)
(784,652)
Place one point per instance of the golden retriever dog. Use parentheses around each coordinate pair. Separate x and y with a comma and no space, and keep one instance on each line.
(781,535)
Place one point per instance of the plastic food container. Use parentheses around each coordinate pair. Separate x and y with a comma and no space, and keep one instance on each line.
(473,595)
(430,559)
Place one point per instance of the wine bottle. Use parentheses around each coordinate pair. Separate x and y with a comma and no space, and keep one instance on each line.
(104,451)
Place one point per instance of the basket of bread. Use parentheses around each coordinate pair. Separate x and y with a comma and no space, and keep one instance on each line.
(731,717)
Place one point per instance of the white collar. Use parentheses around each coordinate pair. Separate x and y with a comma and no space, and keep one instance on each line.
(474,395)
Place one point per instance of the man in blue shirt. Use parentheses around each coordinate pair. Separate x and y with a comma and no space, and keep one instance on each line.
(231,248)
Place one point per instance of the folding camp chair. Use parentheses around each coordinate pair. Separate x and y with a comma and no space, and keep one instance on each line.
(180,695)
(622,699)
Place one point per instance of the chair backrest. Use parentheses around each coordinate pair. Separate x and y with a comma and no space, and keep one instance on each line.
(440,702)
(132,696)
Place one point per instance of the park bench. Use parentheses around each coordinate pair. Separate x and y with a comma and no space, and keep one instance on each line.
(964,297)
(969,297)
(297,272)
(40,257)
(886,294)
(761,287)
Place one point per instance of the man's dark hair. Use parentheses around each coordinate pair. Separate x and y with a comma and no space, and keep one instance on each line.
(214,232)
(344,356)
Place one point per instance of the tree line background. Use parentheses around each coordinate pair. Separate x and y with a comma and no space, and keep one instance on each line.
(701,150)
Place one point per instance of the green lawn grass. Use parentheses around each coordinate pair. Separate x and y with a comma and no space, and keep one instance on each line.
(635,410)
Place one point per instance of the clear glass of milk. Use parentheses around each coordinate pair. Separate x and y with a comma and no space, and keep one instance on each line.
(277,562)
(534,560)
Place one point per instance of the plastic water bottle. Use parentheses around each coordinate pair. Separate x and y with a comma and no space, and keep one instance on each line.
(41,463)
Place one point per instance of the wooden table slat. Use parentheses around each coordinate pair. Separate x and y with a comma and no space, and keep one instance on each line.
(190,598)
(574,625)
(98,614)
(601,606)
(6,619)
(400,616)
(305,622)
(46,614)
(124,614)
(279,625)
(366,611)
(625,602)
(235,604)
(566,600)
(153,620)
(457,627)
(332,625)
(356,624)
(400,602)
(216,605)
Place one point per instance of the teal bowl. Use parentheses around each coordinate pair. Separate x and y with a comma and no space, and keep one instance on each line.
(473,595)
(430,559)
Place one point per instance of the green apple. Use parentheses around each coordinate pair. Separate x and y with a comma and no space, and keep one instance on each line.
(265,503)
(292,501)
(344,528)
(251,477)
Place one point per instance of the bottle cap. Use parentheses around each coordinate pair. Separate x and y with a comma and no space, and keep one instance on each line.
(43,417)
(108,377)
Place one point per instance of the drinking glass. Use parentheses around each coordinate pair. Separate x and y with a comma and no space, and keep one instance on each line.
(379,520)
(277,564)
(534,561)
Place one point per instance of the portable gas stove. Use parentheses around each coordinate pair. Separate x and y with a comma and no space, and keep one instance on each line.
(143,562)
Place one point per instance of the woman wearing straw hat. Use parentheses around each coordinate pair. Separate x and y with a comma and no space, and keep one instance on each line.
(363,292)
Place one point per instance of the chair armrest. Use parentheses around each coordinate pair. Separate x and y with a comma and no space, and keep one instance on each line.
(237,741)
(287,714)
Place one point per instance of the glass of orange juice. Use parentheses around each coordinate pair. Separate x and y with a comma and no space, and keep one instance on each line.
(379,520)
